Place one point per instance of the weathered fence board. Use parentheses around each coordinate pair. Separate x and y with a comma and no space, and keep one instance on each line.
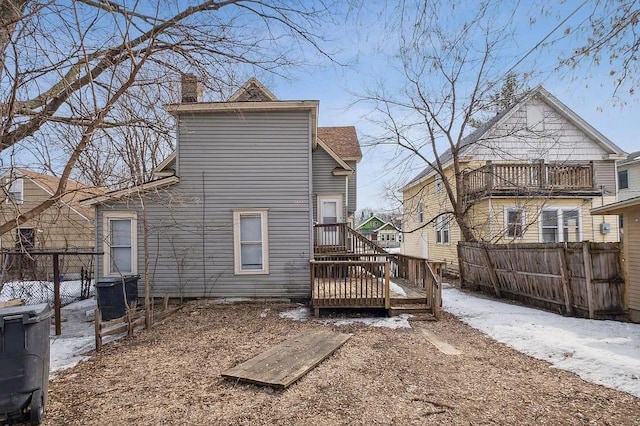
(581,279)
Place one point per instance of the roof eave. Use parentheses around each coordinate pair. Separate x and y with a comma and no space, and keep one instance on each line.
(114,195)
(615,208)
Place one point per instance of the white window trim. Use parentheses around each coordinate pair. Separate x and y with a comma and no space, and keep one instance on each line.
(264,218)
(559,219)
(439,186)
(441,224)
(506,222)
(106,243)
(420,213)
(10,185)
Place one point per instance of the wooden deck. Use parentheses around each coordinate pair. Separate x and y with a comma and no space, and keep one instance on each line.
(282,365)
(349,271)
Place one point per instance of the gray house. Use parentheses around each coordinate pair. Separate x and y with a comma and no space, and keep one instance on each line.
(231,212)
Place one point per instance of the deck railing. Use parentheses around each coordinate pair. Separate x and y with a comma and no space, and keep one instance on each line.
(340,238)
(528,177)
(421,273)
(350,283)
(363,280)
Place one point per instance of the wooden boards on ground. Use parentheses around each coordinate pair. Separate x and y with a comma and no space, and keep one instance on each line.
(440,344)
(285,363)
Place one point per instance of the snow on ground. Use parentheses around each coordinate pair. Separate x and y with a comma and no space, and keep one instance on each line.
(77,338)
(393,250)
(303,314)
(602,352)
(35,292)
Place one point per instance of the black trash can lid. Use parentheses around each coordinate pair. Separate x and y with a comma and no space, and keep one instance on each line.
(28,313)
(111,281)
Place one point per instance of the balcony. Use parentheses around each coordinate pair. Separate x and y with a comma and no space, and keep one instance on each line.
(529,179)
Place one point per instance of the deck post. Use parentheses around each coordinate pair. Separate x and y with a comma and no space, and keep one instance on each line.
(387,295)
(312,277)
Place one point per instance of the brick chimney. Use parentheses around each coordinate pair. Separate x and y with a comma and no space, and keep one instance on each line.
(191,89)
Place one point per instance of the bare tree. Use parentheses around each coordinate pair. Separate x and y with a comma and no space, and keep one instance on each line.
(450,70)
(607,38)
(75,71)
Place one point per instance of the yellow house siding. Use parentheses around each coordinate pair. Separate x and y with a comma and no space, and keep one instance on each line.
(60,226)
(487,217)
(632,260)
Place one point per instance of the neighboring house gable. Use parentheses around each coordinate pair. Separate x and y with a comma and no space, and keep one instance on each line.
(370,225)
(531,174)
(629,177)
(67,224)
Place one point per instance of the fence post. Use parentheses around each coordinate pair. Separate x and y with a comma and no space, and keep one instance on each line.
(564,275)
(588,271)
(56,293)
(492,273)
(96,320)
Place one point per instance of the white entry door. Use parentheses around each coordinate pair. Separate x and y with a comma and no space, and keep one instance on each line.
(329,211)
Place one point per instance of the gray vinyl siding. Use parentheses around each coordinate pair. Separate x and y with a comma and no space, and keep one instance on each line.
(230,161)
(353,184)
(324,182)
(604,175)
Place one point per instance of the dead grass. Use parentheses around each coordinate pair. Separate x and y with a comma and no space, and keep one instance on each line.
(171,375)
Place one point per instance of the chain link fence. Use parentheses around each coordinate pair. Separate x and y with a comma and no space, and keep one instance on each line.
(30,277)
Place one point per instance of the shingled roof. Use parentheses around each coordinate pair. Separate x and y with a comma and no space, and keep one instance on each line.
(74,192)
(342,140)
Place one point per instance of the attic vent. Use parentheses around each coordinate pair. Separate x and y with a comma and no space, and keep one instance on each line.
(253,93)
(191,89)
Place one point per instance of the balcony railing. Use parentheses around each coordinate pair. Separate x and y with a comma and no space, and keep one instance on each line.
(526,178)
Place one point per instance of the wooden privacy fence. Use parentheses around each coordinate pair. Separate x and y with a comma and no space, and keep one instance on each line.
(578,279)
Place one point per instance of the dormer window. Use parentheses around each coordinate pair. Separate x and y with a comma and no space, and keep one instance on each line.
(15,192)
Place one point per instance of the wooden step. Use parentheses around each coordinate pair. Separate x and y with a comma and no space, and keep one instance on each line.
(398,301)
(408,309)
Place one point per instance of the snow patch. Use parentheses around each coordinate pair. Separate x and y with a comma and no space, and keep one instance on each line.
(303,314)
(400,321)
(264,313)
(602,352)
(298,314)
(231,300)
(395,288)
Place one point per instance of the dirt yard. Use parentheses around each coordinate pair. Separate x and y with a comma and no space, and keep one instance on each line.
(171,375)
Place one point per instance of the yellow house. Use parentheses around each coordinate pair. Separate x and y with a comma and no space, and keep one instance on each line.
(530,174)
(65,225)
(630,211)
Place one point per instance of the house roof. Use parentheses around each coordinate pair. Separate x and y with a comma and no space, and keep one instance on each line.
(631,158)
(369,220)
(477,135)
(387,225)
(342,140)
(120,193)
(616,208)
(74,191)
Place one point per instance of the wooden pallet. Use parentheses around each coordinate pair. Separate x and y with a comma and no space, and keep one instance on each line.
(282,365)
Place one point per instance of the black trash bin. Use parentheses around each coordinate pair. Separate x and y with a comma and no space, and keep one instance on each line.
(111,295)
(24,363)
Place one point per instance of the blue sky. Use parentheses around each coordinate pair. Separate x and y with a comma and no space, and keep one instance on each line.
(366,48)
